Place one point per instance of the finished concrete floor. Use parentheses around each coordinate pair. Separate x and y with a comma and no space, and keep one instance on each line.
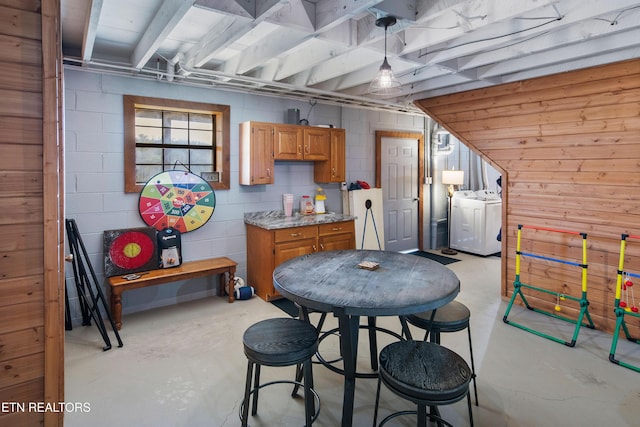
(184,365)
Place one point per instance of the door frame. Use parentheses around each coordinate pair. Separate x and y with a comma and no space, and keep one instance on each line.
(413,136)
(53,209)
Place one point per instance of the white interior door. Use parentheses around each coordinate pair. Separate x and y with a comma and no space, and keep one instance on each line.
(399,159)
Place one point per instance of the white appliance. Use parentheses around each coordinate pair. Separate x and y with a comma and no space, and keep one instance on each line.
(476,218)
(366,205)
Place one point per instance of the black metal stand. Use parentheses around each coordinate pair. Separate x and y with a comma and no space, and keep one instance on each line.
(90,294)
(448,250)
(367,205)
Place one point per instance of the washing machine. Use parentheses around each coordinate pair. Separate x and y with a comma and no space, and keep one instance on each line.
(476,218)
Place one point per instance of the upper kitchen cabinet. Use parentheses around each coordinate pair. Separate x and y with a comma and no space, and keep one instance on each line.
(293,142)
(263,143)
(256,153)
(334,169)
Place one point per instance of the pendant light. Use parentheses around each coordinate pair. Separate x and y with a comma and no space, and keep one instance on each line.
(385,82)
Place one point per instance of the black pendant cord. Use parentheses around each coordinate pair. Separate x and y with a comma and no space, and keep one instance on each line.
(385,42)
(90,295)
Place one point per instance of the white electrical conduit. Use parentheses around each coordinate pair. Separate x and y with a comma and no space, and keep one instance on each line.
(244,83)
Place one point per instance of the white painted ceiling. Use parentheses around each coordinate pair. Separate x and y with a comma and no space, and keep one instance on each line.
(330,50)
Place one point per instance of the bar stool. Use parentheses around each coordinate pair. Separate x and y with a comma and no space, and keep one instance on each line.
(452,317)
(280,342)
(424,373)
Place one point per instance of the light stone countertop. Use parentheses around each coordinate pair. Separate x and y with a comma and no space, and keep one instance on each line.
(272,220)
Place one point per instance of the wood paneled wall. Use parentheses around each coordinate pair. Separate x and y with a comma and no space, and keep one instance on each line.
(31,298)
(568,146)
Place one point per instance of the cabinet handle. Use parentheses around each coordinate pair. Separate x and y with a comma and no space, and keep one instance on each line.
(321,247)
(315,249)
(295,234)
(299,149)
(269,172)
(336,229)
(333,172)
(306,148)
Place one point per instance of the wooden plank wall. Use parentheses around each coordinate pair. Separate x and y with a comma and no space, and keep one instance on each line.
(23,294)
(568,146)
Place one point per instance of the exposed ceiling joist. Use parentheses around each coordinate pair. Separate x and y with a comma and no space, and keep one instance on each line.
(333,12)
(165,20)
(250,9)
(329,50)
(625,41)
(91,28)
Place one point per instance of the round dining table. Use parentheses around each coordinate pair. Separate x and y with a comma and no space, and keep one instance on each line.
(354,283)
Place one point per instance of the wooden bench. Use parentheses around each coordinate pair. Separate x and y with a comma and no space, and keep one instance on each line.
(188,270)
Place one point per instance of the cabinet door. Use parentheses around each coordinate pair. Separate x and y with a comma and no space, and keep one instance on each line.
(316,143)
(256,153)
(333,170)
(287,142)
(286,251)
(337,242)
(338,155)
(337,236)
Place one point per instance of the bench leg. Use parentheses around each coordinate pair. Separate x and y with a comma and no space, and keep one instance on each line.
(222,281)
(229,283)
(116,308)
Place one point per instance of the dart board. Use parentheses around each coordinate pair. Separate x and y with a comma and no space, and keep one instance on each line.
(129,250)
(176,199)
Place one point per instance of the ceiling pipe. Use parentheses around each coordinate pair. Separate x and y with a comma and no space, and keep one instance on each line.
(309,91)
(200,77)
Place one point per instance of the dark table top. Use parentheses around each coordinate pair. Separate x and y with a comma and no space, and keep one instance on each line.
(332,281)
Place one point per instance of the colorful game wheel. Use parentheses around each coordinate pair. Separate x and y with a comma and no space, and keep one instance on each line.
(176,199)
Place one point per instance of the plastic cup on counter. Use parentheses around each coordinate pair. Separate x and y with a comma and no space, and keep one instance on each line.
(287,202)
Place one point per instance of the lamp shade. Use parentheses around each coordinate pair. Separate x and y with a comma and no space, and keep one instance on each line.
(385,82)
(452,177)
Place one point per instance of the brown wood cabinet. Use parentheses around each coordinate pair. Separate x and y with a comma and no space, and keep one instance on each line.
(256,153)
(334,169)
(266,249)
(293,142)
(262,143)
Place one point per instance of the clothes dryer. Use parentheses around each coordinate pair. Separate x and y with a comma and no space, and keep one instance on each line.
(476,218)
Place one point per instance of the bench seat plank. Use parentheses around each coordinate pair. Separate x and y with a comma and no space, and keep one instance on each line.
(187,270)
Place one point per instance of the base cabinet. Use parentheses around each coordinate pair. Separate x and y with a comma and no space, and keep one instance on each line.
(266,249)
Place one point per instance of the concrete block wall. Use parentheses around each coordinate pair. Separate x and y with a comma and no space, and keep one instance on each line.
(94,160)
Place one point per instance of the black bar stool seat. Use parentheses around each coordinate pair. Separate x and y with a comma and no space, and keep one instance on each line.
(426,374)
(452,317)
(280,342)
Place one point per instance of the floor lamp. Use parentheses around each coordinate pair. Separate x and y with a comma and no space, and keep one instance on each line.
(451,178)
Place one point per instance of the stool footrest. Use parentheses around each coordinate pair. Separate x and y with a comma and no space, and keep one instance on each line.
(432,417)
(316,397)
